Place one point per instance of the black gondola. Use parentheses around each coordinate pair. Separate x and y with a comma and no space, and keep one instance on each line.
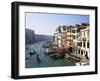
(32,53)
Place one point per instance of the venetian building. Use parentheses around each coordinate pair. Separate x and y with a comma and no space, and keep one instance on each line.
(75,33)
(69,36)
(60,36)
(83,41)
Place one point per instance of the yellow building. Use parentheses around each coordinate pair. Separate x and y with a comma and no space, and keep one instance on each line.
(83,42)
(69,36)
(75,38)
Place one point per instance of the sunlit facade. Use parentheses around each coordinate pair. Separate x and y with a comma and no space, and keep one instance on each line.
(60,36)
(83,43)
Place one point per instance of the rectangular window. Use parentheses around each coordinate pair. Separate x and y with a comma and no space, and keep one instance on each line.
(70,44)
(87,44)
(77,36)
(64,28)
(78,30)
(59,30)
(80,43)
(81,52)
(84,44)
(73,31)
(74,37)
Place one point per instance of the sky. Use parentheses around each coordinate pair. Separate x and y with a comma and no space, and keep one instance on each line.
(46,23)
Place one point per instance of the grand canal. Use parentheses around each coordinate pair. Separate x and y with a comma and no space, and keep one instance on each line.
(44,60)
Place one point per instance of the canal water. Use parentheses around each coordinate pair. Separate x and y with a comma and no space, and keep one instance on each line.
(44,60)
